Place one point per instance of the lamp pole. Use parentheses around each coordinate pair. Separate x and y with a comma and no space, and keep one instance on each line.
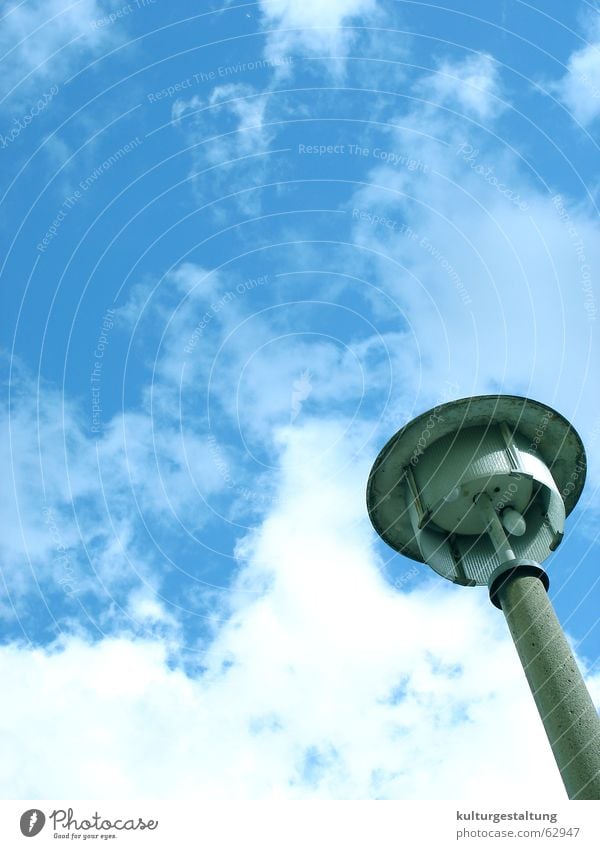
(563,701)
(520,589)
(479,489)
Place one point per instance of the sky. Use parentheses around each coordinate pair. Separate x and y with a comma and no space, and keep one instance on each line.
(242,245)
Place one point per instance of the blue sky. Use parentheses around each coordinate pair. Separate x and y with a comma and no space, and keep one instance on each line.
(241,246)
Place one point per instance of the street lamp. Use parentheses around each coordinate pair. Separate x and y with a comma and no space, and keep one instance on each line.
(479,490)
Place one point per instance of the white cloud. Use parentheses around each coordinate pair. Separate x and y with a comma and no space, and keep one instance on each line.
(495,276)
(314,27)
(36,435)
(44,38)
(165,471)
(229,135)
(301,374)
(215,328)
(579,88)
(321,683)
(472,85)
(237,107)
(78,505)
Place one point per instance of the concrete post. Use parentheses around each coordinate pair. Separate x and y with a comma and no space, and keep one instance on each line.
(565,706)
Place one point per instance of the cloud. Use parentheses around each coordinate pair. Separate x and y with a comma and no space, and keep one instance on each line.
(313,27)
(87,514)
(38,431)
(236,108)
(160,468)
(472,85)
(44,39)
(321,682)
(229,135)
(479,257)
(266,356)
(579,88)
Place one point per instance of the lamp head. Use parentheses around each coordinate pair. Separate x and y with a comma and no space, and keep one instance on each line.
(424,494)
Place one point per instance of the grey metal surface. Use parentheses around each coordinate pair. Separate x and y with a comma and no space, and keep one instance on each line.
(540,444)
(464,462)
(565,706)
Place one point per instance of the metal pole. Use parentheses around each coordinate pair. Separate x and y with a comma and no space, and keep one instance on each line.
(565,706)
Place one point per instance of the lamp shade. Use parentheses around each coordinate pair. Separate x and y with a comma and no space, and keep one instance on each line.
(425,485)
